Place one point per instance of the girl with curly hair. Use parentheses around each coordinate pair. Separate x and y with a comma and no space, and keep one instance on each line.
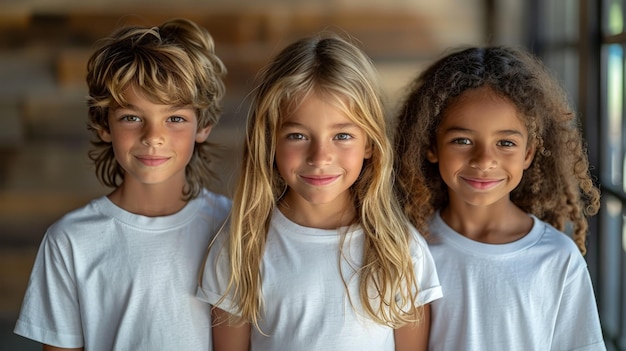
(491,167)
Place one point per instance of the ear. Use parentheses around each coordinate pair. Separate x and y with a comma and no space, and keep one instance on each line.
(105,135)
(431,155)
(530,155)
(203,134)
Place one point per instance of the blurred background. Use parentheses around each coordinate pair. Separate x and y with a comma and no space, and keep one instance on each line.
(45,44)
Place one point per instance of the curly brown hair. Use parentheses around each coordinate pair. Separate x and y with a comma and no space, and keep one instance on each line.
(557,187)
(173,64)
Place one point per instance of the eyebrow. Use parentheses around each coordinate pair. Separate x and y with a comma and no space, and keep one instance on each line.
(467,130)
(334,126)
(168,109)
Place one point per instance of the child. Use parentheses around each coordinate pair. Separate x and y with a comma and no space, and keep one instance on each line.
(319,255)
(121,272)
(489,159)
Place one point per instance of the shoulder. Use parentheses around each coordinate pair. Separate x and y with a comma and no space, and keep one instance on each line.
(557,246)
(215,203)
(89,215)
(558,240)
(79,227)
(415,235)
(417,244)
(424,268)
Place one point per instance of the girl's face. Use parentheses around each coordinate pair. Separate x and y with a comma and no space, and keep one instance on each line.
(319,154)
(482,148)
(153,143)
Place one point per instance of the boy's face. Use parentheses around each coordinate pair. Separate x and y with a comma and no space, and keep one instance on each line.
(152,142)
(482,149)
(319,154)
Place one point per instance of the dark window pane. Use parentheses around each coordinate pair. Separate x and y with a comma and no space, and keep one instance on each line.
(610,272)
(612,116)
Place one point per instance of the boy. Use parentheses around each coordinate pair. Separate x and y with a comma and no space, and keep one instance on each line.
(120,273)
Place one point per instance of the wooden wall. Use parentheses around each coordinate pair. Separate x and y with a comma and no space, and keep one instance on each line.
(44,45)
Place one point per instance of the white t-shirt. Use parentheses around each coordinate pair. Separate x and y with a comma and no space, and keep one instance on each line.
(305,302)
(107,279)
(531,294)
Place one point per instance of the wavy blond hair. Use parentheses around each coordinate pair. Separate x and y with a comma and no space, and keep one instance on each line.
(337,69)
(173,64)
(557,187)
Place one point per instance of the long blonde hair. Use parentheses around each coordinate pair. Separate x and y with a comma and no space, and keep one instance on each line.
(334,67)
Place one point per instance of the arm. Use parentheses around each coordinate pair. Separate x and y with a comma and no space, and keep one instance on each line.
(54,348)
(412,337)
(228,336)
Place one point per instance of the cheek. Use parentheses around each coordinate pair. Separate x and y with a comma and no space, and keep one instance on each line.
(190,149)
(449,164)
(286,157)
(354,159)
(183,144)
(120,141)
(280,156)
(445,158)
(360,155)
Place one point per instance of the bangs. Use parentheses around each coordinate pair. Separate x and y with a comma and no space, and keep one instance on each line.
(157,76)
(354,109)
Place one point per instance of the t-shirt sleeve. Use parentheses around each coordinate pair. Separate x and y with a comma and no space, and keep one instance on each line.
(215,276)
(577,325)
(50,312)
(426,276)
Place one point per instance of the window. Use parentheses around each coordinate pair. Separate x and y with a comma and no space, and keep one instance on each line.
(612,148)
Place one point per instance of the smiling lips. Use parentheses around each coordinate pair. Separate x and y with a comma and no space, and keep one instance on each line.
(482,184)
(152,160)
(319,180)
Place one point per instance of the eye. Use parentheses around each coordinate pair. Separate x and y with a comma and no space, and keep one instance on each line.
(506,143)
(176,119)
(461,141)
(295,136)
(130,118)
(343,136)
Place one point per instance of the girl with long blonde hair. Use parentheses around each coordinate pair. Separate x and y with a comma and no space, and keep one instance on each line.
(318,254)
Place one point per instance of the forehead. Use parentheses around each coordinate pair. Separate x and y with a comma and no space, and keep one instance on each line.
(481,108)
(315,103)
(132,96)
(314,110)
(162,95)
(135,101)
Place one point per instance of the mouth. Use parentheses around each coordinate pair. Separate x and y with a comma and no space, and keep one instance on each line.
(152,160)
(319,180)
(482,184)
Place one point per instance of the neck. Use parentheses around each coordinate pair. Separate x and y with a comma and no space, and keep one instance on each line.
(148,200)
(322,216)
(499,223)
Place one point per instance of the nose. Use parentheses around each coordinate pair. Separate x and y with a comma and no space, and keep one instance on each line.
(152,135)
(319,154)
(483,158)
